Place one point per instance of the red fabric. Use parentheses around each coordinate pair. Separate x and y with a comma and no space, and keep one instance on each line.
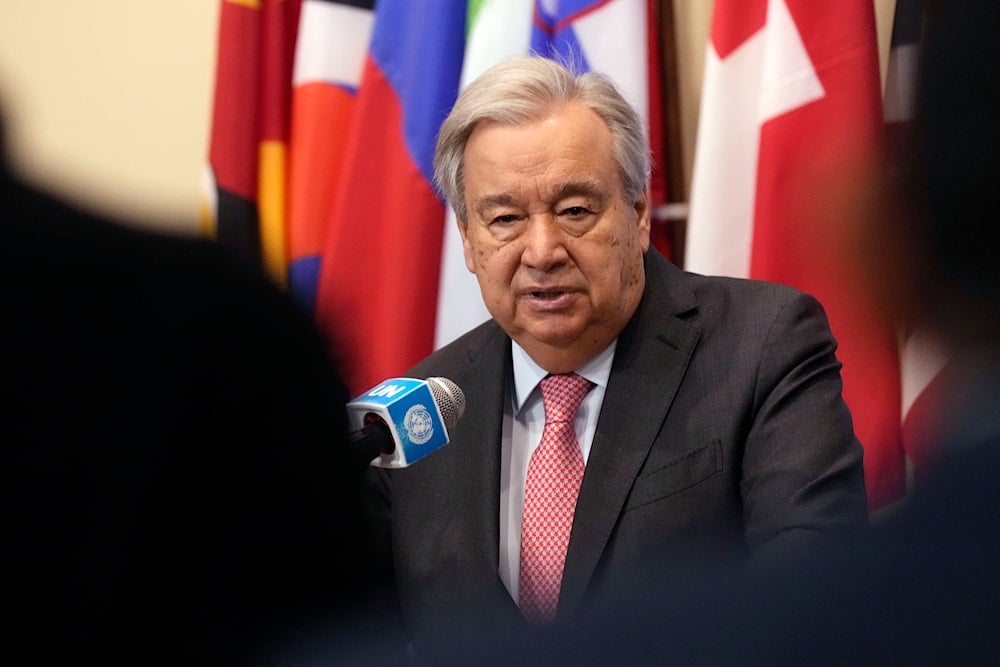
(252,83)
(734,22)
(234,140)
(379,280)
(321,117)
(250,108)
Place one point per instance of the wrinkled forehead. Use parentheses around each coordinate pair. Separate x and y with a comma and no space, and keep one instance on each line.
(547,160)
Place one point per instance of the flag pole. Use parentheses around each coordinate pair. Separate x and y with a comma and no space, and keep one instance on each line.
(674,212)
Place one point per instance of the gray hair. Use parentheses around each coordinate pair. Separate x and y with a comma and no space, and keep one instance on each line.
(524,89)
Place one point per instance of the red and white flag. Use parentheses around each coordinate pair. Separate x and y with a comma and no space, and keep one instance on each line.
(791,102)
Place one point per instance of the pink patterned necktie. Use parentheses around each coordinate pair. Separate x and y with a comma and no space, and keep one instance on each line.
(553,484)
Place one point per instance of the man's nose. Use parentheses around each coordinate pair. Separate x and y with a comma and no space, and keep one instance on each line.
(544,243)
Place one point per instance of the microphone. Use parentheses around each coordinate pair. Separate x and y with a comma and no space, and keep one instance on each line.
(402,420)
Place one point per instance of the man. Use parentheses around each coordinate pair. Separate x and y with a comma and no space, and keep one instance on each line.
(711,426)
(922,586)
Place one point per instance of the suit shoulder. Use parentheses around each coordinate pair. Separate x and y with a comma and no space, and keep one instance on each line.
(747,289)
(457,356)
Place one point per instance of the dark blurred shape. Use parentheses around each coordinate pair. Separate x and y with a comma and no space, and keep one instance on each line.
(958,156)
(178,487)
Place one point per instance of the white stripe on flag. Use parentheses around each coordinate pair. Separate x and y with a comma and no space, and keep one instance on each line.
(332,43)
(766,76)
(613,39)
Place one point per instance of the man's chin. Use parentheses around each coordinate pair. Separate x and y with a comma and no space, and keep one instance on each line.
(556,332)
(555,350)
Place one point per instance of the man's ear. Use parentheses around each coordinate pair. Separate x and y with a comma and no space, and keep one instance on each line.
(643,213)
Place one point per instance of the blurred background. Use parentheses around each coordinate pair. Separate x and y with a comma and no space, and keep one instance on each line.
(110,102)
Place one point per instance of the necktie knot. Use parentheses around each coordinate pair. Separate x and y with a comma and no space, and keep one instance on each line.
(562,395)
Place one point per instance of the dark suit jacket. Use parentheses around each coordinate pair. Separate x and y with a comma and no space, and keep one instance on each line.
(921,587)
(723,435)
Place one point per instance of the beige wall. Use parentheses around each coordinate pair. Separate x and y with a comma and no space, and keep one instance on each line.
(109,101)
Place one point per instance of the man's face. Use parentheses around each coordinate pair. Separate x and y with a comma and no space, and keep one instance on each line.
(556,248)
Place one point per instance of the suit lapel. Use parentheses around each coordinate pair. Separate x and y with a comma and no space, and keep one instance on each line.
(475,472)
(650,359)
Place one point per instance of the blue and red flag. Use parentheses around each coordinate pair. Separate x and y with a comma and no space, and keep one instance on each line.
(378,283)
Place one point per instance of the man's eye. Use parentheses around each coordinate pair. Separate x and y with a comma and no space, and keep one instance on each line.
(504,219)
(575,211)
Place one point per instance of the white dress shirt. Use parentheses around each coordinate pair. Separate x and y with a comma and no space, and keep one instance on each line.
(523,422)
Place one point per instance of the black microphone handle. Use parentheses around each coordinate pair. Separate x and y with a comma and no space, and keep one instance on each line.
(371,441)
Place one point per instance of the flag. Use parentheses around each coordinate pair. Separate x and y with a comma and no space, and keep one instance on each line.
(246,177)
(923,361)
(792,99)
(330,54)
(377,295)
(392,279)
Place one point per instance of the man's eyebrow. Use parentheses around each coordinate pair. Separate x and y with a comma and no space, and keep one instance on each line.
(590,187)
(484,204)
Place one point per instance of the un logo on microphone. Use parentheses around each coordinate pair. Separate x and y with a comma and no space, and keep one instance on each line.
(411,409)
(419,424)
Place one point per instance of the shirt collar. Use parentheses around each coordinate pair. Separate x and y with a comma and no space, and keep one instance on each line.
(527,374)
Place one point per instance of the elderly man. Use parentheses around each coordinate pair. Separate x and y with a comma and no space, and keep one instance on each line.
(626,420)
